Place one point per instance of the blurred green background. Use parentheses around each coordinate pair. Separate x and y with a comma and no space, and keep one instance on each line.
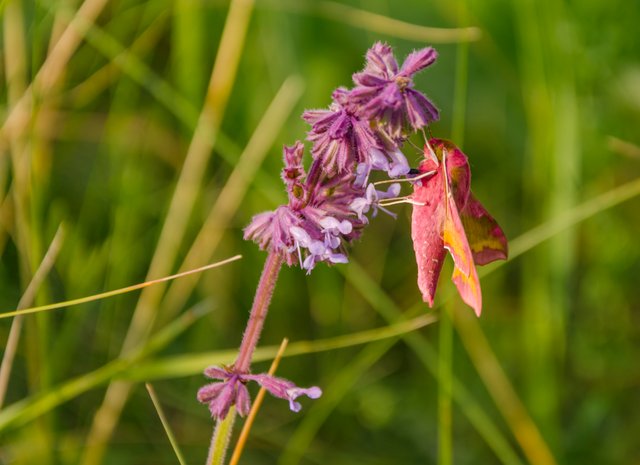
(116,127)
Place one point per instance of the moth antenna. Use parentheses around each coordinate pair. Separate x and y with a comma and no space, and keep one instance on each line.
(390,181)
(428,174)
(411,179)
(429,130)
(431,152)
(447,188)
(446,173)
(415,146)
(399,200)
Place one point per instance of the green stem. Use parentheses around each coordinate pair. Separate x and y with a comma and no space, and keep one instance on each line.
(259,309)
(220,439)
(445,358)
(445,377)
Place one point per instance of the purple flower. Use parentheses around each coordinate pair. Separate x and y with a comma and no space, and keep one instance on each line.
(272,231)
(341,139)
(316,250)
(232,390)
(316,224)
(385,92)
(394,163)
(360,132)
(222,395)
(332,229)
(285,389)
(362,205)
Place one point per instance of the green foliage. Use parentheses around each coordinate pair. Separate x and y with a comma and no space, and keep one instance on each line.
(550,128)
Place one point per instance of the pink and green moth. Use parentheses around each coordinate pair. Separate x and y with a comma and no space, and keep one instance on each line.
(447,217)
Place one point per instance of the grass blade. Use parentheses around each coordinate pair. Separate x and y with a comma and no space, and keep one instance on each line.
(379,24)
(26,410)
(29,295)
(513,410)
(104,295)
(187,365)
(52,69)
(235,188)
(165,424)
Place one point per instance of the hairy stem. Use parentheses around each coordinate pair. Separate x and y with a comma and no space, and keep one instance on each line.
(259,311)
(220,439)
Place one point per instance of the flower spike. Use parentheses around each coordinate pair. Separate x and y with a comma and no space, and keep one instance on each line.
(232,390)
(386,93)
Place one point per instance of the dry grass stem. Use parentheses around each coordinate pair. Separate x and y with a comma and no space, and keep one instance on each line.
(27,298)
(246,428)
(504,395)
(180,207)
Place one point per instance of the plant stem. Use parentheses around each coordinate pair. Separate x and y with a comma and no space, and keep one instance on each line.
(445,355)
(445,378)
(220,438)
(258,311)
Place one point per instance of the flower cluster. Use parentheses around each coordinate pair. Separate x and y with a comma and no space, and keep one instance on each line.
(362,131)
(232,390)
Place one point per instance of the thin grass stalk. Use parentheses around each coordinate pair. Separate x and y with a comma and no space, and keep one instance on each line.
(255,407)
(445,352)
(541,331)
(220,84)
(189,365)
(15,62)
(483,424)
(137,369)
(60,22)
(379,24)
(235,188)
(445,381)
(565,163)
(51,70)
(504,395)
(104,295)
(26,410)
(93,86)
(189,51)
(165,424)
(26,299)
(341,384)
(572,217)
(623,147)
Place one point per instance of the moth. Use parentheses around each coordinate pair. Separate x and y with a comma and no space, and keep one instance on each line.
(447,217)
